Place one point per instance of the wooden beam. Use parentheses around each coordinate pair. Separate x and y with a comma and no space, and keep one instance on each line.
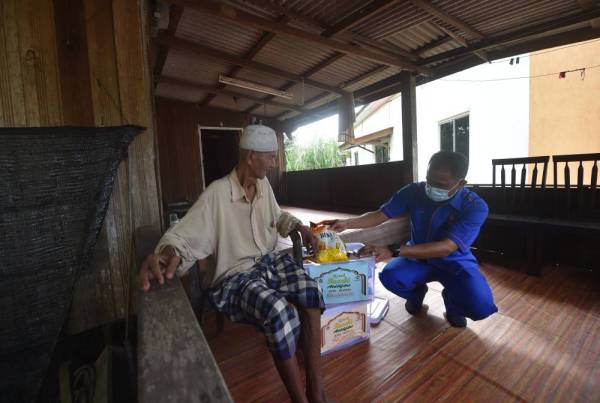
(586,4)
(379,46)
(409,123)
(246,19)
(364,76)
(196,48)
(463,42)
(175,13)
(436,12)
(359,16)
(220,91)
(433,44)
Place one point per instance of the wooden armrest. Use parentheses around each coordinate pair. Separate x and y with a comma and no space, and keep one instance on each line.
(297,247)
(175,363)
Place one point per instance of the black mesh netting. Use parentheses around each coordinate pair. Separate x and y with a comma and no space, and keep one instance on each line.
(55,184)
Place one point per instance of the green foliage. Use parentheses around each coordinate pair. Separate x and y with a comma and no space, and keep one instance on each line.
(321,153)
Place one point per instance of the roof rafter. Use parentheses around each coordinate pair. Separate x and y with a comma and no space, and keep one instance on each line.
(359,16)
(463,42)
(436,12)
(175,13)
(433,44)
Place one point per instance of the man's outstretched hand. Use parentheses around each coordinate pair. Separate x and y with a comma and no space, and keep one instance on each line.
(340,225)
(157,267)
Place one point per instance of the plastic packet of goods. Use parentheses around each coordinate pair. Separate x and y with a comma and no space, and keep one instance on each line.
(331,247)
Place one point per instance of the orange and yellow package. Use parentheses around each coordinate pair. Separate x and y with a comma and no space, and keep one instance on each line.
(331,248)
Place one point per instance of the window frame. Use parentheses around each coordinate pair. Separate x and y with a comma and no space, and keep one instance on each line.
(453,119)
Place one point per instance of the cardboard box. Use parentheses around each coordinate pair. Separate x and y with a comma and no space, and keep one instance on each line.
(344,282)
(344,325)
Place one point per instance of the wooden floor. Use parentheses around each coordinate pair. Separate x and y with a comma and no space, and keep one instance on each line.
(543,345)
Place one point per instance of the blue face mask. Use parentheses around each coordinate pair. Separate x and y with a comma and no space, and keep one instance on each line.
(437,194)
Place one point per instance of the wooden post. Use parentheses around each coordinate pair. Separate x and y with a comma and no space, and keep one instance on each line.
(409,124)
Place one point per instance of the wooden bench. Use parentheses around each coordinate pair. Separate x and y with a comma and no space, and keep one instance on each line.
(539,215)
(515,209)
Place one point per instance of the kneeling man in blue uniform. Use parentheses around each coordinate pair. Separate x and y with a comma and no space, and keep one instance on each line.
(445,220)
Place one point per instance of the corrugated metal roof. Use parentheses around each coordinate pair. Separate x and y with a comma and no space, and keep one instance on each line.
(507,15)
(390,71)
(326,11)
(190,67)
(416,36)
(389,22)
(295,56)
(405,26)
(216,33)
(344,69)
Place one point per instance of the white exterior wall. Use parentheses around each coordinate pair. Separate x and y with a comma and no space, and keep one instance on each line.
(498,117)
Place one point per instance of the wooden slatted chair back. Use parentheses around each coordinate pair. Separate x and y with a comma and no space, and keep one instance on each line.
(579,199)
(520,196)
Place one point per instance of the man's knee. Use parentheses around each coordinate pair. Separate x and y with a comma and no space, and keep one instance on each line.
(282,329)
(387,278)
(482,311)
(480,307)
(282,316)
(313,294)
(403,274)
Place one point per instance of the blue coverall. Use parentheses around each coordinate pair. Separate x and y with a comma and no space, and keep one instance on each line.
(459,219)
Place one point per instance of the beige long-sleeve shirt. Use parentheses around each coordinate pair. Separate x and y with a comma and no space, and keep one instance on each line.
(224,223)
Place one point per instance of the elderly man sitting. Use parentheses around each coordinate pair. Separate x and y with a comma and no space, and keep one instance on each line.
(237,219)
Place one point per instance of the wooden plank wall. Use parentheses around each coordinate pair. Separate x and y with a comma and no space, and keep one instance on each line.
(179,144)
(83,62)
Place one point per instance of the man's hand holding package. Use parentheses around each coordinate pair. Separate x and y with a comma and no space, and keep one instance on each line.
(340,225)
(309,238)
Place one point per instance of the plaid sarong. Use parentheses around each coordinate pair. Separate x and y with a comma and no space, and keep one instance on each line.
(264,297)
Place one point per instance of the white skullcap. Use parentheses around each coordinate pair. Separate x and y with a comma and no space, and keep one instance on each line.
(259,138)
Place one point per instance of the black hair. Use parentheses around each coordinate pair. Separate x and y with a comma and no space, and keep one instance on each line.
(456,163)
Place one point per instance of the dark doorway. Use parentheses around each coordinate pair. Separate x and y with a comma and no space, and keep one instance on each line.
(219,152)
